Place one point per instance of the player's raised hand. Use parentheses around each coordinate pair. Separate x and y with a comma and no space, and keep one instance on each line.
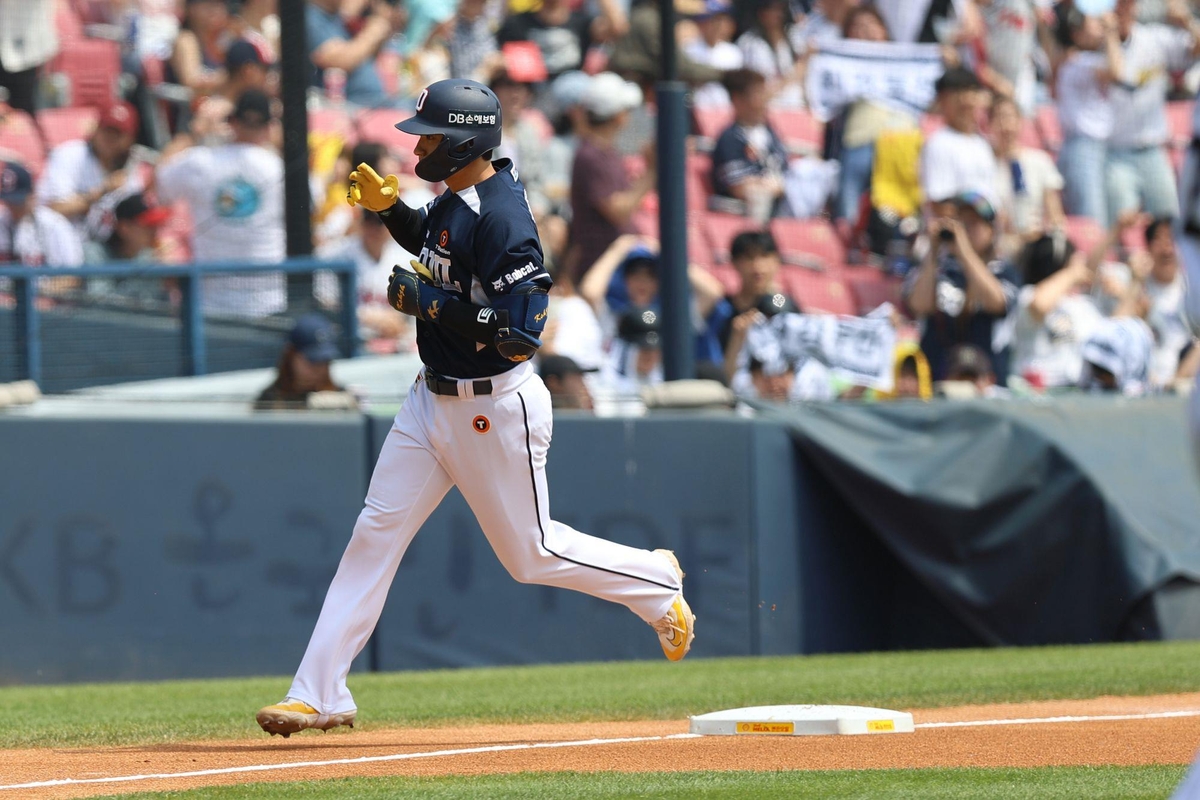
(371,191)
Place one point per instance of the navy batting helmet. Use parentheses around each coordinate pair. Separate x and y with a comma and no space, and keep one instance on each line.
(467,114)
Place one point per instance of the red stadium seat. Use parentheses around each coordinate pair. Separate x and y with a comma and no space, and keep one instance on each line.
(712,122)
(809,242)
(817,291)
(1179,121)
(332,120)
(1084,232)
(91,68)
(699,181)
(1049,127)
(873,289)
(19,136)
(801,131)
(719,230)
(65,124)
(67,23)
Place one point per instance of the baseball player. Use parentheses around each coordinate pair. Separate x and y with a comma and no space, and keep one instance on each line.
(478,416)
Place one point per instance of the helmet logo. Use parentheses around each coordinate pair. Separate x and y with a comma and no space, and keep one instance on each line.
(421,100)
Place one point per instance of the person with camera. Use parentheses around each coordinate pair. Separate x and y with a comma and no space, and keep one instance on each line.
(962,293)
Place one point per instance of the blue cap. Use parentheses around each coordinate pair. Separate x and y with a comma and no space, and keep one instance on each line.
(977,203)
(639,253)
(16,184)
(715,7)
(315,338)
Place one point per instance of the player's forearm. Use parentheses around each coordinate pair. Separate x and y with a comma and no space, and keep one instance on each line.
(477,323)
(404,224)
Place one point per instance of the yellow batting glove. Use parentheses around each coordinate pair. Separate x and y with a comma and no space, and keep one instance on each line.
(370,191)
(422,271)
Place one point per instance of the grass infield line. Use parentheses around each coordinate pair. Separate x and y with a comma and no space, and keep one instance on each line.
(544,745)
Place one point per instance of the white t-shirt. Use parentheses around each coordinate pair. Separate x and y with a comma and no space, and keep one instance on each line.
(723,56)
(1039,175)
(73,169)
(1085,107)
(1051,349)
(1139,102)
(1170,325)
(43,238)
(1011,42)
(776,63)
(577,333)
(235,193)
(954,162)
(905,18)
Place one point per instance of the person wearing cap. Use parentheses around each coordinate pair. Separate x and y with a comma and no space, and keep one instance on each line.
(1116,357)
(234,191)
(80,173)
(32,235)
(564,380)
(133,235)
(635,356)
(1085,112)
(303,367)
(603,199)
(714,48)
(749,159)
(247,67)
(962,293)
(957,158)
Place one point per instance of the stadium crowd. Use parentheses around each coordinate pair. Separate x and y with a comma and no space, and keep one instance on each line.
(883,196)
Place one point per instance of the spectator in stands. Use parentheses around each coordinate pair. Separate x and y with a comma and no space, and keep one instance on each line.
(235,194)
(134,233)
(1011,42)
(949,22)
(639,51)
(198,60)
(564,36)
(1163,305)
(767,49)
(564,106)
(1028,185)
(27,41)
(825,23)
(769,367)
(471,42)
(627,276)
(81,174)
(957,158)
(970,375)
(337,53)
(635,358)
(374,253)
(1085,111)
(303,370)
(248,66)
(1116,357)
(573,329)
(32,235)
(564,380)
(714,48)
(524,141)
(1139,173)
(603,199)
(961,293)
(911,377)
(749,159)
(755,256)
(257,21)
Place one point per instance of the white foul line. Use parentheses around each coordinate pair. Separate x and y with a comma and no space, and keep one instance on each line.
(1051,720)
(498,748)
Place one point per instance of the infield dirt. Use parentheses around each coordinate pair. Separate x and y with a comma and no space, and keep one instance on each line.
(1080,743)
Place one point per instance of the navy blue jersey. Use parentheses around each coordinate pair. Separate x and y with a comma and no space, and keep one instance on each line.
(479,243)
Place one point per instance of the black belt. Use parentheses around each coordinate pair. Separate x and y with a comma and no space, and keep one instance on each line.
(448,388)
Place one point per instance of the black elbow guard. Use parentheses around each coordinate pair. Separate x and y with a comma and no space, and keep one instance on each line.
(521,316)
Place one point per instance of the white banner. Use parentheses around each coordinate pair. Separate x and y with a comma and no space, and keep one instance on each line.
(857,349)
(892,73)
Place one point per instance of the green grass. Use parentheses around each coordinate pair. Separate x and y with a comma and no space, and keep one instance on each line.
(1046,783)
(140,713)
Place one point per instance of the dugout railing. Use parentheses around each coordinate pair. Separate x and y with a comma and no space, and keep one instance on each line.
(69,328)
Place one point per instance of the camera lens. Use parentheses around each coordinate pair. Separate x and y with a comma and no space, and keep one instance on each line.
(946,236)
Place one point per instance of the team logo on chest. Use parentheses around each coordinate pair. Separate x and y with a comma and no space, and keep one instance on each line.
(439,265)
(481,424)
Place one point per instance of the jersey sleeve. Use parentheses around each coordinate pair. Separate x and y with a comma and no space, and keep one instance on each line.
(508,251)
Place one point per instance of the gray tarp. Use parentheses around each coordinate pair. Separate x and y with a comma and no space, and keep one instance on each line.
(1063,521)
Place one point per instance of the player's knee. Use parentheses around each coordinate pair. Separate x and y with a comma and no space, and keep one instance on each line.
(533,567)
